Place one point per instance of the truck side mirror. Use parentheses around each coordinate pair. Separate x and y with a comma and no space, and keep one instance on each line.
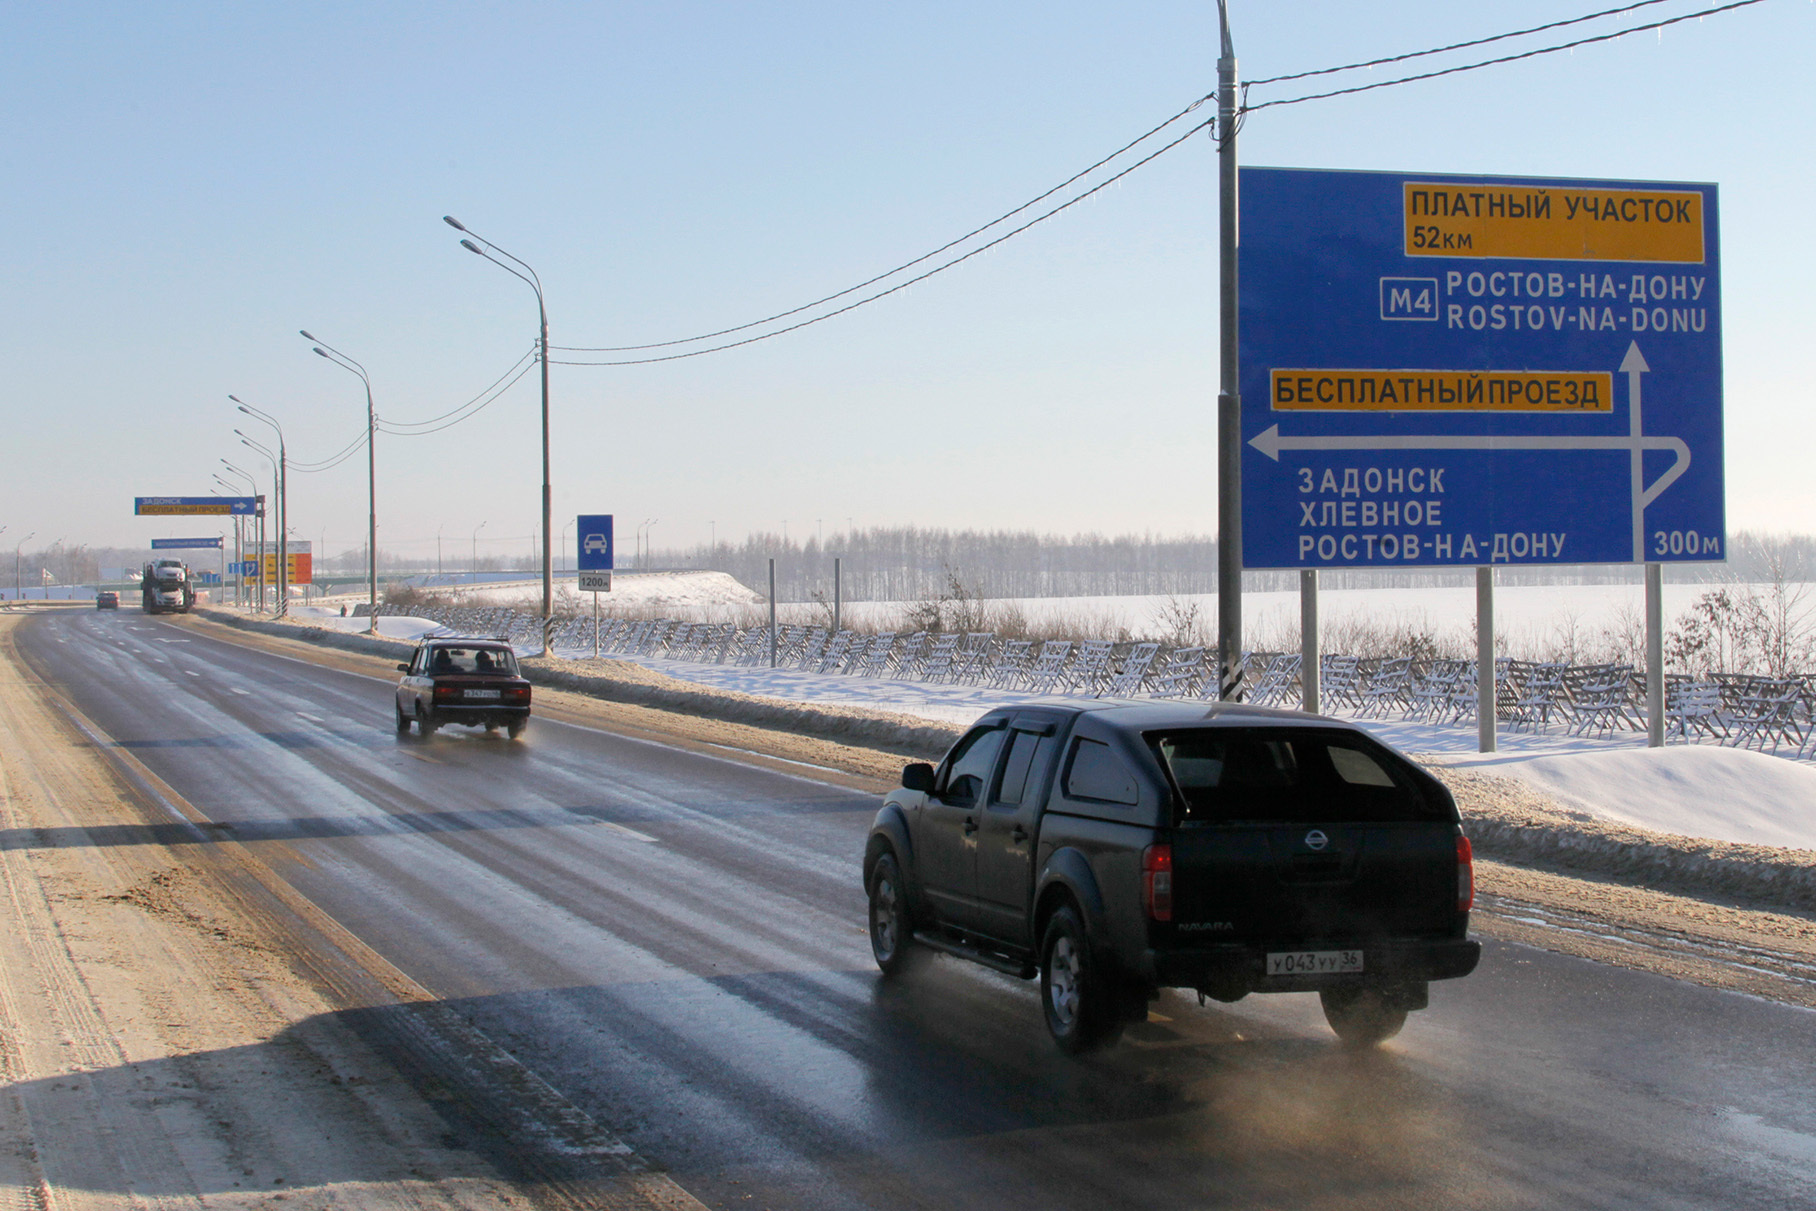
(403,668)
(918,777)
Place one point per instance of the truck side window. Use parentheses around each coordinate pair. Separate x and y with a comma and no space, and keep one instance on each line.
(1022,748)
(971,767)
(1096,772)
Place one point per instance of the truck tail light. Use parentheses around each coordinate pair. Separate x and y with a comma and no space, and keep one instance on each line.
(1157,882)
(1466,880)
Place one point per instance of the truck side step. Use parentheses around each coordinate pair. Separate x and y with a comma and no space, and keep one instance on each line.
(1021,969)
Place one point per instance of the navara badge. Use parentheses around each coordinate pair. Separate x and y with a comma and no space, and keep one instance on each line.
(1316,840)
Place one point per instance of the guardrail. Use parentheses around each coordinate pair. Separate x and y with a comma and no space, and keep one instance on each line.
(1764,713)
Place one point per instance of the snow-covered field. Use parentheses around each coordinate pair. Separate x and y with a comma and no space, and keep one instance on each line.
(1706,791)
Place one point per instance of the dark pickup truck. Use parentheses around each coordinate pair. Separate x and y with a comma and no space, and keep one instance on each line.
(1117,849)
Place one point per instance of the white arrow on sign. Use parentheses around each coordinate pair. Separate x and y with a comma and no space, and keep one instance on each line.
(1271,442)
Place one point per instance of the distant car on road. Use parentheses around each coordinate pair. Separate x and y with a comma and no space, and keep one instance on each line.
(1112,850)
(472,682)
(107,599)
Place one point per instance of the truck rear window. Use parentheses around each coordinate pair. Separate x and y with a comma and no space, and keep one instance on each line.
(1290,776)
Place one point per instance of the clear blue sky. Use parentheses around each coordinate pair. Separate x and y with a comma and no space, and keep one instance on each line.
(190,184)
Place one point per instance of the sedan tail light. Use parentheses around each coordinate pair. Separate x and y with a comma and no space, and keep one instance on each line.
(1466,880)
(1157,882)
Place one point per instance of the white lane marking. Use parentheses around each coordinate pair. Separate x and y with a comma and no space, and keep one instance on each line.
(632,833)
(751,752)
(192,672)
(162,640)
(308,718)
(237,690)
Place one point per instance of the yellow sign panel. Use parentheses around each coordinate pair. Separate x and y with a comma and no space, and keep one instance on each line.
(302,567)
(1441,391)
(184,510)
(1553,224)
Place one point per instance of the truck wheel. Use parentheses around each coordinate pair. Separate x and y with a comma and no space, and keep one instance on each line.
(891,930)
(1362,1017)
(403,721)
(1077,997)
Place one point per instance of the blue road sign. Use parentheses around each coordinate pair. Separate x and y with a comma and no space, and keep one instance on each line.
(180,544)
(191,506)
(594,531)
(1456,371)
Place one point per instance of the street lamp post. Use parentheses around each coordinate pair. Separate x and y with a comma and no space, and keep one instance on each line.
(283,504)
(564,546)
(476,530)
(346,363)
(276,487)
(18,555)
(259,501)
(438,530)
(529,278)
(239,550)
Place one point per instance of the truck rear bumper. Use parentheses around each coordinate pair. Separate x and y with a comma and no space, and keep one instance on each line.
(1234,970)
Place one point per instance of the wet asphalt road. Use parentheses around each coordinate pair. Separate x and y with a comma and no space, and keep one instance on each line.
(675,943)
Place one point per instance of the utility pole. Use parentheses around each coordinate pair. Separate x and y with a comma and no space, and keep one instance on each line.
(1229,389)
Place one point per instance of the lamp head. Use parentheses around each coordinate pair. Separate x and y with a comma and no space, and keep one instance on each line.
(236,399)
(453,222)
(321,351)
(470,246)
(305,335)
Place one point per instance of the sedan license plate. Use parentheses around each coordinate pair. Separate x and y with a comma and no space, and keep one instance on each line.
(483,694)
(1313,962)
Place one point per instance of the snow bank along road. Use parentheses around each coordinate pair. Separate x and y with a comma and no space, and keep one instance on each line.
(266,945)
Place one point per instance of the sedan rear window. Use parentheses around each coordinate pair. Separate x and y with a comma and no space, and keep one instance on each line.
(501,661)
(1290,776)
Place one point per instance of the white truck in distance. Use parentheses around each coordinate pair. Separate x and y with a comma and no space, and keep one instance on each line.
(164,587)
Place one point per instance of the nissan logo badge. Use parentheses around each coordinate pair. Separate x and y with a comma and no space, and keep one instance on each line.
(1316,839)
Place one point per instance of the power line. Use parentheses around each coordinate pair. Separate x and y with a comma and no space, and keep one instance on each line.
(781,315)
(467,415)
(938,269)
(333,460)
(1440,50)
(1531,54)
(434,425)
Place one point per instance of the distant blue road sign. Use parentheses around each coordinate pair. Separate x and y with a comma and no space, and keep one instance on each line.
(180,544)
(167,506)
(1450,371)
(594,531)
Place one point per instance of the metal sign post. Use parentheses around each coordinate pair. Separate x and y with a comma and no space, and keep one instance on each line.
(1231,557)
(593,561)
